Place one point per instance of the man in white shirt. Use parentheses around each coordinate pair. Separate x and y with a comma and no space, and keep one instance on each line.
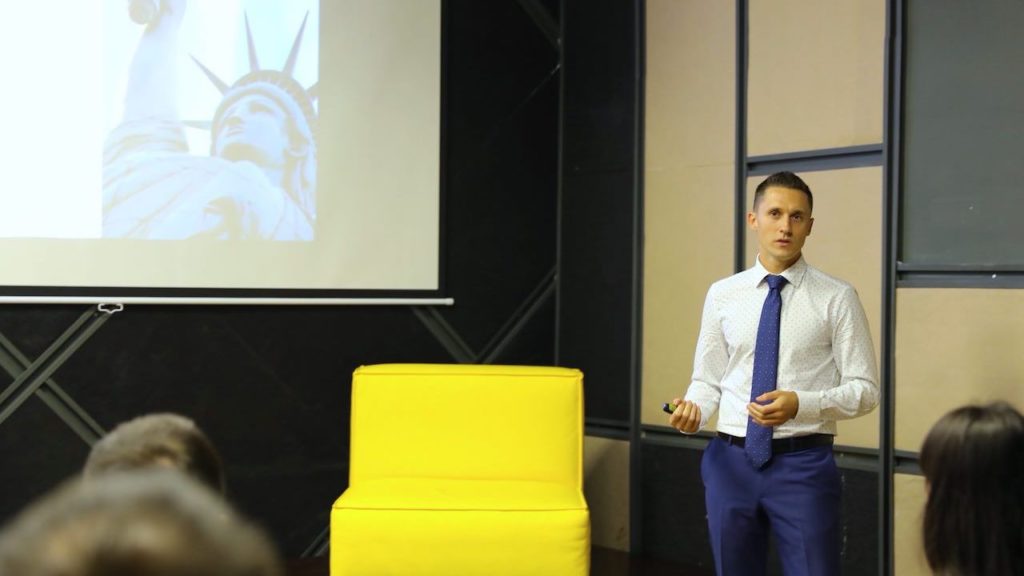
(826,372)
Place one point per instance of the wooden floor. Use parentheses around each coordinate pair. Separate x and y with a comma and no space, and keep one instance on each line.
(603,562)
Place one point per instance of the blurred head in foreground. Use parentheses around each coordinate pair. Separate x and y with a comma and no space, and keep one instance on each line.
(140,523)
(158,440)
(973,462)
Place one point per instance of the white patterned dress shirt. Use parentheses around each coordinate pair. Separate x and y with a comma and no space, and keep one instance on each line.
(825,351)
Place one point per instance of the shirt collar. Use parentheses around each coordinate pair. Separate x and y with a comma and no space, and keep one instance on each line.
(793,275)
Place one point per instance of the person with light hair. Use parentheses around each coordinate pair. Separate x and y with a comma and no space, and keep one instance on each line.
(139,523)
(160,440)
(258,180)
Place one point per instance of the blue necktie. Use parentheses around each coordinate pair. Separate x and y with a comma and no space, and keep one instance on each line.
(758,443)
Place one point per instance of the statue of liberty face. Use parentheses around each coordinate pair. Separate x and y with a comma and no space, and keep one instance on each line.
(254,128)
(266,117)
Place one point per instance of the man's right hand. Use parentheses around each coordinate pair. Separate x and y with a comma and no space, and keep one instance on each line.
(686,417)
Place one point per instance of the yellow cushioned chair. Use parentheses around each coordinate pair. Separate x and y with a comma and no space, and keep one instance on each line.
(463,470)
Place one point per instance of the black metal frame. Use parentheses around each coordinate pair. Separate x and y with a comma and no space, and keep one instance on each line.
(636,355)
(892,151)
(740,184)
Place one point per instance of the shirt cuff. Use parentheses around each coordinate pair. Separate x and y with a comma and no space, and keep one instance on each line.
(705,412)
(810,406)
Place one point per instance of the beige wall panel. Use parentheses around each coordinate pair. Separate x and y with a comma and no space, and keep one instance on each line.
(846,242)
(690,84)
(815,76)
(689,162)
(955,347)
(909,497)
(689,240)
(606,487)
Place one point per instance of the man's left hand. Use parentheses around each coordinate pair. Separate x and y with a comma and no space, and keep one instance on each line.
(774,408)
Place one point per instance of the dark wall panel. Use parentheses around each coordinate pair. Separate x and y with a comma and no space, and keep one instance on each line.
(674,516)
(600,202)
(37,451)
(860,521)
(502,163)
(596,319)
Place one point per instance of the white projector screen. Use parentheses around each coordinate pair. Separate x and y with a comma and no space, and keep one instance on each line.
(228,148)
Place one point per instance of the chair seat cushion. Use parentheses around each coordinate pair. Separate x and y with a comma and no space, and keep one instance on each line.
(434,527)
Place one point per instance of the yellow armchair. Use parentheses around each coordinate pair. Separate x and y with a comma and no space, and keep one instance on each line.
(463,470)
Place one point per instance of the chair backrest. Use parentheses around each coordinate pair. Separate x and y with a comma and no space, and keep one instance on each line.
(468,422)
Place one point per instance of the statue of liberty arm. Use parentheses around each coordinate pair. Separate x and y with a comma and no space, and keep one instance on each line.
(258,181)
(152,86)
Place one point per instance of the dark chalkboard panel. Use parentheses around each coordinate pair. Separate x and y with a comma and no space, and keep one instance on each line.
(963,129)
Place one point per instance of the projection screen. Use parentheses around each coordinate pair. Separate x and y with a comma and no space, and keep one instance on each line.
(253,149)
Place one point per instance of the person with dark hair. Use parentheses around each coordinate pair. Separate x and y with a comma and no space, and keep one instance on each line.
(784,352)
(158,440)
(973,463)
(139,523)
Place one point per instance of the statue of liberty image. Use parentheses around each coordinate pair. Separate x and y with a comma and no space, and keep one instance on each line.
(258,180)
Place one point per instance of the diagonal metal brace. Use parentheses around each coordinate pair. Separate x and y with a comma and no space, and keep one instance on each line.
(14,362)
(29,381)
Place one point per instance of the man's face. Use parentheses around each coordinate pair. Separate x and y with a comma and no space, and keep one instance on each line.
(782,220)
(254,128)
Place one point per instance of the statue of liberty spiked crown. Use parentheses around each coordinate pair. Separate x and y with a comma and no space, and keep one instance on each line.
(297,103)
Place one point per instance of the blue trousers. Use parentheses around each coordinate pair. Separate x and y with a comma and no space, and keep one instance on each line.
(795,496)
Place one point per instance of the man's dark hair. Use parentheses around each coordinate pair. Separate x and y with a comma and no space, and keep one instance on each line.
(158,440)
(139,523)
(783,180)
(973,461)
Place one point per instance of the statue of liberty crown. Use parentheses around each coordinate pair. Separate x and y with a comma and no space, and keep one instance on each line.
(280,85)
